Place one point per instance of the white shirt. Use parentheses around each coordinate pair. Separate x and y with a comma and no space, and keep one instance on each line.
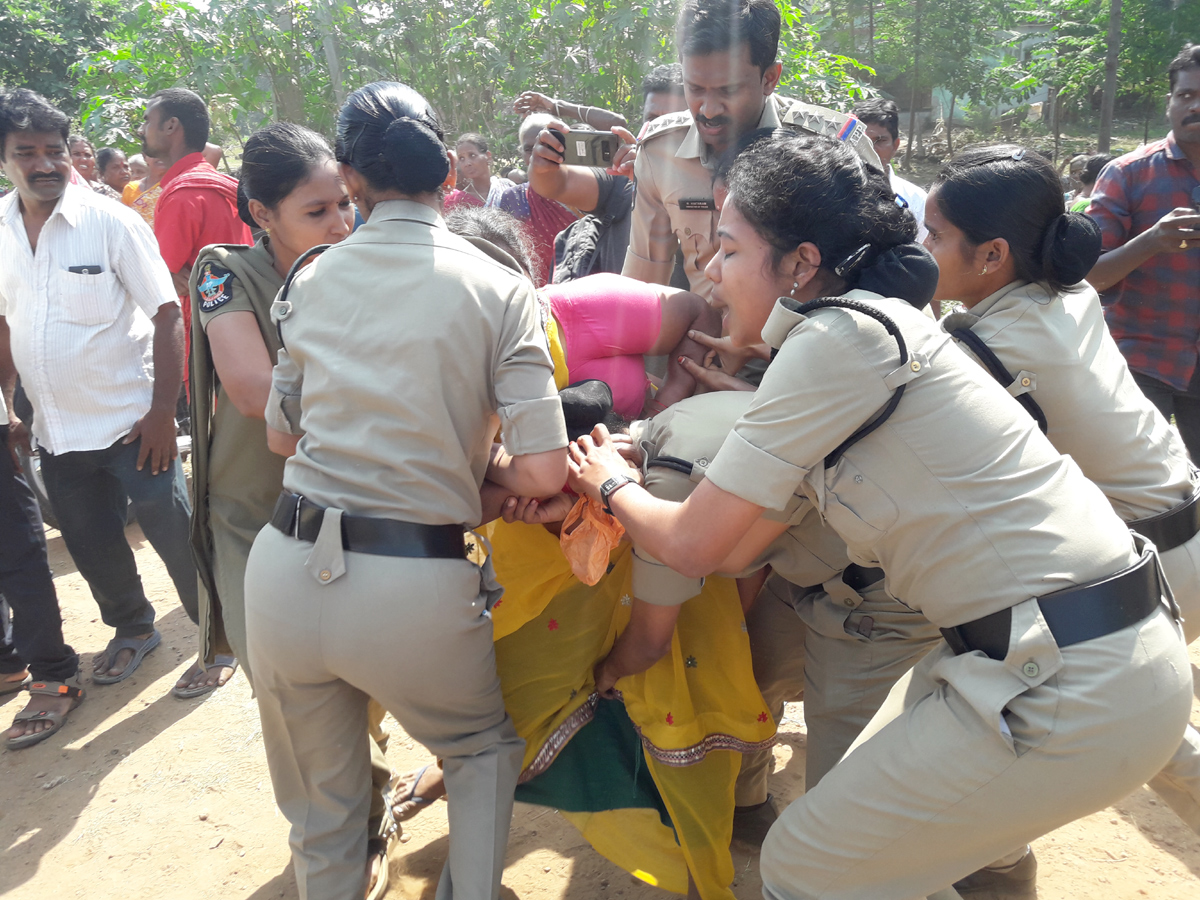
(914,197)
(81,342)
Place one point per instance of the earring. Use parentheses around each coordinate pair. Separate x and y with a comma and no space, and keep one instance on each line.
(795,284)
(984,272)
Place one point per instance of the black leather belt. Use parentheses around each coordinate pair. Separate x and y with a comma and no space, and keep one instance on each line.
(1075,614)
(1173,528)
(299,518)
(860,578)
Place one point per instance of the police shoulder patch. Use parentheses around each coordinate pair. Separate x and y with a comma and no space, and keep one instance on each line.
(215,286)
(670,122)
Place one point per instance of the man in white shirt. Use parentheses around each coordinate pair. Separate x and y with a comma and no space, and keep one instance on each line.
(882,118)
(90,321)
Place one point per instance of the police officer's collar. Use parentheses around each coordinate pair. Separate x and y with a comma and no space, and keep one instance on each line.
(784,318)
(693,147)
(984,306)
(395,210)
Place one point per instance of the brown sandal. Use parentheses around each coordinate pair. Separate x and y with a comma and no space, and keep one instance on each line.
(71,688)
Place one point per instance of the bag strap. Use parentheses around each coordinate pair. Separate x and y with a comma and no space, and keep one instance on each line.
(282,299)
(999,371)
(892,328)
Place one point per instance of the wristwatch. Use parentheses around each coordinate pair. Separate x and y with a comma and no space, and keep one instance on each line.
(610,487)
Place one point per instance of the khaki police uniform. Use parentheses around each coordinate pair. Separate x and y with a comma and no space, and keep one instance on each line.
(406,348)
(674,206)
(970,511)
(813,637)
(236,478)
(1059,351)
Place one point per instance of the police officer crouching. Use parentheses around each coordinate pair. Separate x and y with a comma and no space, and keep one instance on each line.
(404,347)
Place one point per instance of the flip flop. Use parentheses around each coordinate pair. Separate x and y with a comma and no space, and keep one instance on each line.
(70,688)
(139,647)
(400,805)
(12,687)
(187,693)
(379,846)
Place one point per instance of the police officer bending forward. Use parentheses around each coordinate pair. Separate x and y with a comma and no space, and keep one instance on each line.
(1060,651)
(405,347)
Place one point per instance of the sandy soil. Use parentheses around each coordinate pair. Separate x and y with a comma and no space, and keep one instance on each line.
(144,795)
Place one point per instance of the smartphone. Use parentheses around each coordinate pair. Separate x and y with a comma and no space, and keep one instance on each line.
(588,148)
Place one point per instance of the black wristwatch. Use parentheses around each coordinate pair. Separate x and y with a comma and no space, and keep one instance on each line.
(610,487)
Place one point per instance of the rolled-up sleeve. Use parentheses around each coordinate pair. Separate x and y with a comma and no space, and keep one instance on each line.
(531,417)
(283,403)
(652,241)
(660,585)
(817,392)
(140,268)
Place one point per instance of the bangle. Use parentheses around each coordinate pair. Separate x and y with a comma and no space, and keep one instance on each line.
(556,110)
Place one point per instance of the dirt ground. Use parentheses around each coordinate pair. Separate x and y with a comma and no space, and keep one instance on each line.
(143,795)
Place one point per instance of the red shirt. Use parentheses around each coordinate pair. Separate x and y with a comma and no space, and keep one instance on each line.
(198,210)
(1154,311)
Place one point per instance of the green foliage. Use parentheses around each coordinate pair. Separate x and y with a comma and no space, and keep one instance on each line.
(43,39)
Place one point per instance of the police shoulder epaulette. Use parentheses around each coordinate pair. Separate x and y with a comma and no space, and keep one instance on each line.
(844,127)
(670,122)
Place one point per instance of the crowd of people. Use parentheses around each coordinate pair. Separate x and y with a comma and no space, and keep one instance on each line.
(583,473)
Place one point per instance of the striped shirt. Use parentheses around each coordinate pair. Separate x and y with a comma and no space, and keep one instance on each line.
(81,340)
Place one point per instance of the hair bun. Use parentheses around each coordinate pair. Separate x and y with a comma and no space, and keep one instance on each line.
(906,271)
(1071,247)
(415,154)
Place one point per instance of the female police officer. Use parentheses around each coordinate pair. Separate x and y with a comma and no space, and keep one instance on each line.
(1008,251)
(405,348)
(1059,654)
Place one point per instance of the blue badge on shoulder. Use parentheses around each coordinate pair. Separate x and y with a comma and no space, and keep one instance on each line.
(215,286)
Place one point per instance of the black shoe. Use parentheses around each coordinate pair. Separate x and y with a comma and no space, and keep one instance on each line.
(751,823)
(1017,883)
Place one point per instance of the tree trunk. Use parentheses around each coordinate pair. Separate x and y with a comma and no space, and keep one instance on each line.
(950,126)
(329,44)
(871,32)
(1108,101)
(1056,98)
(912,112)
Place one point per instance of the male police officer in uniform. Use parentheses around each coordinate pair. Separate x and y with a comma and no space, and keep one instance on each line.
(730,72)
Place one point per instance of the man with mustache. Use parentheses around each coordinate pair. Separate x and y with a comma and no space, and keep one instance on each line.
(1146,205)
(730,71)
(89,319)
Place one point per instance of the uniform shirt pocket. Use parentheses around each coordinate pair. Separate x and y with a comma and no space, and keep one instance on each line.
(858,508)
(88,299)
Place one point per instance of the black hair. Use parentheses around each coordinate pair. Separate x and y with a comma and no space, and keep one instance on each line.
(393,137)
(106,155)
(714,26)
(475,138)
(795,189)
(496,227)
(1094,166)
(24,110)
(274,161)
(729,157)
(1187,58)
(878,111)
(1008,192)
(74,139)
(663,80)
(189,108)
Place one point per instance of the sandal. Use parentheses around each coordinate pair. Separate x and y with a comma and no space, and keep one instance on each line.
(70,688)
(378,847)
(220,660)
(139,647)
(12,687)
(408,804)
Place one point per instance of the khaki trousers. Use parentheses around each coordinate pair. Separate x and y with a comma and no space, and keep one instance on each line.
(1179,782)
(971,758)
(837,651)
(411,633)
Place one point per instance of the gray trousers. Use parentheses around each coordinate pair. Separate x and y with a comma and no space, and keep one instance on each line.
(412,634)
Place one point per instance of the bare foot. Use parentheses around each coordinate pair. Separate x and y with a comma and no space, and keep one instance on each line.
(114,667)
(415,790)
(39,703)
(217,675)
(16,676)
(374,862)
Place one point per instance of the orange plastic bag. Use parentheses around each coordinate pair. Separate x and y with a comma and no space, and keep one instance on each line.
(588,535)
